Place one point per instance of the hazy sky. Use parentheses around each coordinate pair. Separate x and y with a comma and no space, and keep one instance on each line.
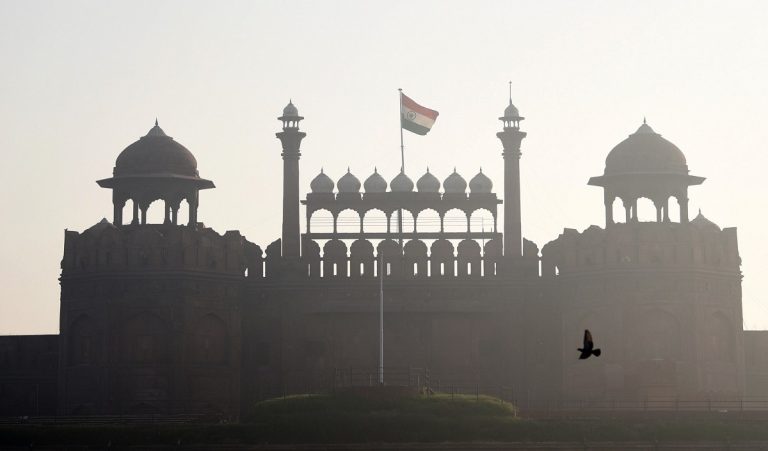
(80,81)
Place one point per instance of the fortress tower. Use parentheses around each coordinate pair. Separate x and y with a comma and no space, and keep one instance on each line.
(149,312)
(662,298)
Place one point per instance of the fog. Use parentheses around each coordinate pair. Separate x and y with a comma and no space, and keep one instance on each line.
(82,80)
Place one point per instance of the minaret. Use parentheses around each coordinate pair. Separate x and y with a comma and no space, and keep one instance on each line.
(511,138)
(291,138)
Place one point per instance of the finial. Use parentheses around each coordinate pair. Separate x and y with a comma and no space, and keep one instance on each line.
(481,169)
(454,169)
(347,169)
(156,122)
(321,169)
(510,91)
(375,170)
(644,120)
(427,169)
(699,210)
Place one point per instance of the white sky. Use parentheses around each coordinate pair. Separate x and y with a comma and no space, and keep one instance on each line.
(80,81)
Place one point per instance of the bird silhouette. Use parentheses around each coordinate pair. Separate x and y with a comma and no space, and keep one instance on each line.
(589,347)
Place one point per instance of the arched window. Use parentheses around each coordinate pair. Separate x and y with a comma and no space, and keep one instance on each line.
(375,221)
(321,221)
(428,221)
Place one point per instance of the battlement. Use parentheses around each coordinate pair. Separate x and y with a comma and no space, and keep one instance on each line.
(415,259)
(107,248)
(643,244)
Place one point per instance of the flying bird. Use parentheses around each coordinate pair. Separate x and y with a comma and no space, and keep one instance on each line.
(588,348)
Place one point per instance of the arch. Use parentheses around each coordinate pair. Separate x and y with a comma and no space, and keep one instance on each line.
(155,212)
(415,258)
(673,209)
(455,220)
(720,341)
(320,221)
(618,211)
(310,255)
(392,255)
(84,344)
(182,215)
(492,254)
(375,221)
(428,221)
(658,336)
(348,221)
(468,258)
(361,258)
(146,340)
(408,221)
(646,210)
(482,219)
(441,259)
(210,341)
(335,259)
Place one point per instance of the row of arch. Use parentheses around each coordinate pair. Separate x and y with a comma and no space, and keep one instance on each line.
(645,209)
(157,211)
(378,221)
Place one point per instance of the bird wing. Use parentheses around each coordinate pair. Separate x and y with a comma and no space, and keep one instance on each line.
(587,339)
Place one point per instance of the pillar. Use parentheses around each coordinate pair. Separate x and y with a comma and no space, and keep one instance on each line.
(118,203)
(511,139)
(682,201)
(135,219)
(627,210)
(658,207)
(666,209)
(193,201)
(608,200)
(291,138)
(167,215)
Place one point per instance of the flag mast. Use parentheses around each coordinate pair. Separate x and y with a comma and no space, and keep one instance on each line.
(402,169)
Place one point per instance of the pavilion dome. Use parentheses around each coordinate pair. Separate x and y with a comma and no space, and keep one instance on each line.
(375,183)
(455,183)
(480,183)
(701,222)
(511,110)
(290,110)
(401,183)
(321,184)
(645,152)
(348,183)
(156,153)
(428,183)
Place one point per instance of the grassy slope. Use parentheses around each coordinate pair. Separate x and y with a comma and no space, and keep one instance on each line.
(345,419)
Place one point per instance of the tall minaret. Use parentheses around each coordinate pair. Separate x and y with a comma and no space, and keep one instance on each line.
(511,138)
(291,138)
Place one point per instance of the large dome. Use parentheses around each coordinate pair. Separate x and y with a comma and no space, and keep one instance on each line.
(156,153)
(645,152)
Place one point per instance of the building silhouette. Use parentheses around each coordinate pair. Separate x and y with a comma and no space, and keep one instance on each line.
(171,317)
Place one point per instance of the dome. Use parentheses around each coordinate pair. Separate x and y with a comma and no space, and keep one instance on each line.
(428,183)
(511,110)
(321,184)
(156,153)
(401,183)
(643,152)
(348,183)
(375,183)
(455,183)
(480,183)
(701,222)
(290,110)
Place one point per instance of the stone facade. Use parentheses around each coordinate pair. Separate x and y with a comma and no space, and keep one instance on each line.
(170,318)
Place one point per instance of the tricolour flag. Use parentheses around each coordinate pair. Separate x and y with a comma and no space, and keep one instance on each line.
(414,117)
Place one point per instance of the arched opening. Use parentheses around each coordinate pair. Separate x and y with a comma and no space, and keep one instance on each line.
(407,221)
(156,212)
(321,221)
(83,343)
(481,220)
(618,211)
(455,220)
(348,221)
(646,210)
(182,216)
(673,209)
(428,221)
(375,221)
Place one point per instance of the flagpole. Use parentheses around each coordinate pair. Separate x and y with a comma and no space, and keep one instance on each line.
(402,169)
(402,147)
(381,318)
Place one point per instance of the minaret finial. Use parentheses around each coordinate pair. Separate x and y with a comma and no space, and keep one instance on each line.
(644,120)
(510,91)
(156,122)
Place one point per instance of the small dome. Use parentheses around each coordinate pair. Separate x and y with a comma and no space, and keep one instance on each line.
(645,152)
(701,222)
(321,184)
(156,153)
(290,110)
(375,183)
(511,110)
(428,183)
(348,183)
(480,183)
(455,183)
(401,183)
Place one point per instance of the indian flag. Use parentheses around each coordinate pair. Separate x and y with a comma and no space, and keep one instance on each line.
(414,117)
